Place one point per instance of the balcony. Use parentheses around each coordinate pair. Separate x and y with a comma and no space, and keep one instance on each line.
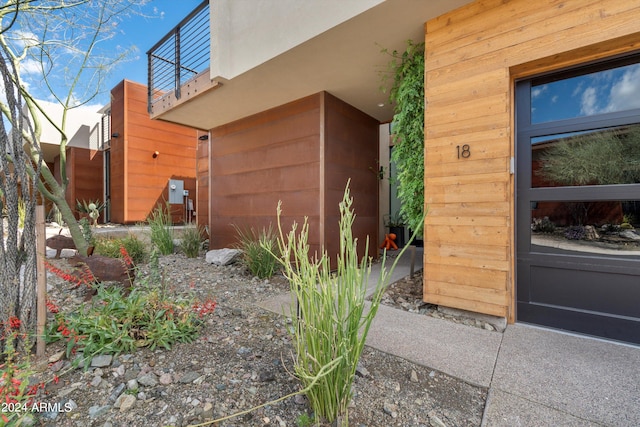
(180,61)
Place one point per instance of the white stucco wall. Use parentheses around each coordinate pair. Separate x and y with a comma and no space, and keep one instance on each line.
(81,126)
(247,33)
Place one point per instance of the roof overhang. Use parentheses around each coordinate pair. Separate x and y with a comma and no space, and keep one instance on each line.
(347,61)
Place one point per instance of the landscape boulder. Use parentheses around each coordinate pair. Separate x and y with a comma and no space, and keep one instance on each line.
(224,256)
(105,269)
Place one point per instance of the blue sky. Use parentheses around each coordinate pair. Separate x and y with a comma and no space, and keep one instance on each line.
(139,31)
(616,89)
(144,32)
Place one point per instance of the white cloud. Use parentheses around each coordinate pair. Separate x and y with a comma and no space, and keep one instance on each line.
(589,101)
(538,91)
(30,66)
(625,93)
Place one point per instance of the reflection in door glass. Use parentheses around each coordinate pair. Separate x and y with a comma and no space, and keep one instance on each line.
(596,157)
(599,227)
(608,91)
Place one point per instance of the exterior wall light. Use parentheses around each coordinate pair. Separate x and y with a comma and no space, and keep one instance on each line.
(155,154)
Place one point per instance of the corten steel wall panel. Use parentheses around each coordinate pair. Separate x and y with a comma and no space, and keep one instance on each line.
(473,55)
(146,176)
(259,160)
(117,167)
(351,152)
(86,179)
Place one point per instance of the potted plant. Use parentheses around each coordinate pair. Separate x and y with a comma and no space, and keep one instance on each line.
(396,224)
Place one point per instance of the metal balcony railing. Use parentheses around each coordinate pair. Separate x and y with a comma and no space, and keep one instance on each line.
(181,55)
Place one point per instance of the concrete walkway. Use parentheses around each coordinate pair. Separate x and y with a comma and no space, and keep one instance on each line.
(535,377)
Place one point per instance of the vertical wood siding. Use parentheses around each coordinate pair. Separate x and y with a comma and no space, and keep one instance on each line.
(140,181)
(473,55)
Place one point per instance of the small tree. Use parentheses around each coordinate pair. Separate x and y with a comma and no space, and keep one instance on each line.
(62,42)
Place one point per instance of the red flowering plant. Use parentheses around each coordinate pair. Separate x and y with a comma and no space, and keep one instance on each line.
(114,322)
(16,392)
(78,277)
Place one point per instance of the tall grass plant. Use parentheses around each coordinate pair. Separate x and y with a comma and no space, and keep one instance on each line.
(191,241)
(331,320)
(111,247)
(259,250)
(161,228)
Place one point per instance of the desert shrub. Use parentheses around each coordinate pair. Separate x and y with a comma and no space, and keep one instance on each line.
(543,225)
(191,241)
(575,232)
(161,229)
(111,247)
(259,250)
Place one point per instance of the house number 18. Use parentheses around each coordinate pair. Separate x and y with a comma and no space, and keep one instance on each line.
(464,151)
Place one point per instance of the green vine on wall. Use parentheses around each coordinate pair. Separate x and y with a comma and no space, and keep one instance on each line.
(407,93)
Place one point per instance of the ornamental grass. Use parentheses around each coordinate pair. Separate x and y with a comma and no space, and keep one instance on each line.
(331,319)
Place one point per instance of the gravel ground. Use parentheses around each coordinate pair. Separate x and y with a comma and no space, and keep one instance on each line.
(241,360)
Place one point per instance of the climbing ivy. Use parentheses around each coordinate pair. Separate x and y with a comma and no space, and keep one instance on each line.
(407,93)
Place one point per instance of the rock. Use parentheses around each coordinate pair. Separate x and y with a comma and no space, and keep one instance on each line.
(630,234)
(101,360)
(434,421)
(55,367)
(390,409)
(166,379)
(132,374)
(96,381)
(119,371)
(414,376)
(132,384)
(207,410)
(361,371)
(72,405)
(97,411)
(189,377)
(116,393)
(591,233)
(127,402)
(56,357)
(224,256)
(46,415)
(266,376)
(148,380)
(104,269)
(243,351)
